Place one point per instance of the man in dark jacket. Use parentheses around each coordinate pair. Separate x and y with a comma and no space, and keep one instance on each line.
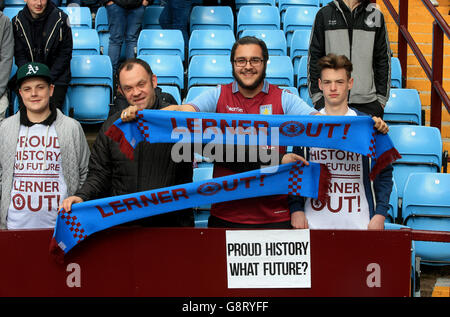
(356,29)
(111,173)
(42,34)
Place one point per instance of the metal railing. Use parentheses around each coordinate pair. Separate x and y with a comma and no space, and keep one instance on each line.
(433,72)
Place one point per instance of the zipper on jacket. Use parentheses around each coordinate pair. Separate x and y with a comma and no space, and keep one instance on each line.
(26,39)
(51,34)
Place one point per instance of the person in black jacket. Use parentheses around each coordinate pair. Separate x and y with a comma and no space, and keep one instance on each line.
(356,29)
(42,34)
(111,173)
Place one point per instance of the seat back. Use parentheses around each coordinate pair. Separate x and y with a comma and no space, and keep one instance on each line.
(280,71)
(284,4)
(298,18)
(253,17)
(101,20)
(299,46)
(91,86)
(79,17)
(393,205)
(160,42)
(11,12)
(195,91)
(240,3)
(403,107)
(396,73)
(302,79)
(426,206)
(211,17)
(85,42)
(421,151)
(211,42)
(167,68)
(274,39)
(209,70)
(151,17)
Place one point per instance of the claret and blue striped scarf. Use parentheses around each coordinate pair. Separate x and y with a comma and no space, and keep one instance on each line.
(347,133)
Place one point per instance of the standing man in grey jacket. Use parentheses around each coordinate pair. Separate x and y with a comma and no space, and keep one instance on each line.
(43,155)
(6,58)
(356,29)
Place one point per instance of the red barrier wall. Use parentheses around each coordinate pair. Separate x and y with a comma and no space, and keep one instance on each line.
(191,262)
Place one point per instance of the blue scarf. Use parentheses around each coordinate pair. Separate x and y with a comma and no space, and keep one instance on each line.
(354,134)
(346,133)
(92,216)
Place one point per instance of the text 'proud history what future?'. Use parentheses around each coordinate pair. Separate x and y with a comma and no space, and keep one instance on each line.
(268,258)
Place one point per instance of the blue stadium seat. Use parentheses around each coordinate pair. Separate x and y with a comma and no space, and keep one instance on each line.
(151,17)
(403,107)
(209,70)
(201,213)
(195,91)
(14,3)
(426,206)
(299,46)
(11,12)
(161,42)
(240,3)
(211,42)
(393,205)
(173,90)
(284,4)
(396,73)
(101,20)
(298,18)
(280,71)
(251,17)
(211,17)
(85,42)
(302,80)
(167,68)
(91,86)
(421,151)
(274,39)
(79,17)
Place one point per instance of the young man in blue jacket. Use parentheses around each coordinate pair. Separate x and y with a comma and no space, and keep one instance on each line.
(351,204)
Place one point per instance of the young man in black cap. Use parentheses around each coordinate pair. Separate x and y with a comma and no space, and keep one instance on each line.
(43,155)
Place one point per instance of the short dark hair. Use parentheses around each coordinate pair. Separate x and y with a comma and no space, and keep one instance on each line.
(247,40)
(129,63)
(336,62)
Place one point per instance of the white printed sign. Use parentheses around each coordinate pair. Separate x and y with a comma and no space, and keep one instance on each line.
(268,258)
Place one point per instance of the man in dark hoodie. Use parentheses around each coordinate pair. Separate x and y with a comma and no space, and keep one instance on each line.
(356,29)
(42,34)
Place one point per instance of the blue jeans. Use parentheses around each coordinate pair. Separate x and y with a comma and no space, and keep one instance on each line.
(175,15)
(124,24)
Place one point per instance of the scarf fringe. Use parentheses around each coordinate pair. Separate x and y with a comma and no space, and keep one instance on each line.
(56,251)
(384,160)
(117,135)
(324,183)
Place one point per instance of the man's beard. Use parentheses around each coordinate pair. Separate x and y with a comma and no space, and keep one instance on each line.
(255,84)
